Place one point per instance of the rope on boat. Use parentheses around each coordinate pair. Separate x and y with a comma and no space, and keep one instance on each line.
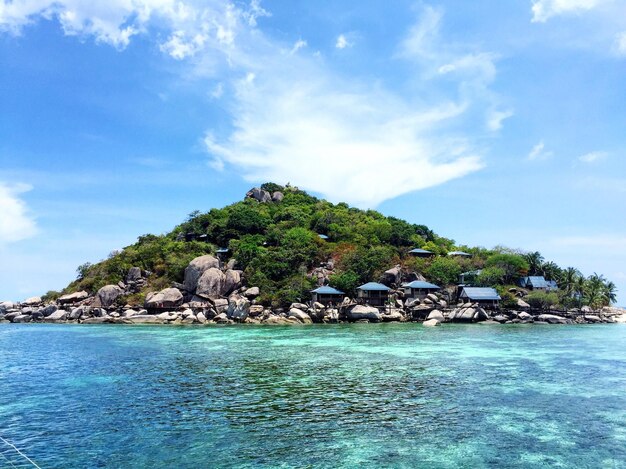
(20,453)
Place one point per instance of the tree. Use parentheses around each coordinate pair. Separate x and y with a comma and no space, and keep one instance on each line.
(491,276)
(512,265)
(568,280)
(444,271)
(82,270)
(535,261)
(345,282)
(551,271)
(609,293)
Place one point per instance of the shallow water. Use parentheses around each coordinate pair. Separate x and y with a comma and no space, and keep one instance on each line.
(392,395)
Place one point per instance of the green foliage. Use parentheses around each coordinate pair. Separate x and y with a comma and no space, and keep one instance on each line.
(490,276)
(513,266)
(50,296)
(542,300)
(82,270)
(272,187)
(444,271)
(508,299)
(346,282)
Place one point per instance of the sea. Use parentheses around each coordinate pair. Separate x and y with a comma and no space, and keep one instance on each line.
(333,396)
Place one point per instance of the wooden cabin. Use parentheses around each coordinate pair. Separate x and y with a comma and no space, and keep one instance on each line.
(538,283)
(327,295)
(419,289)
(374,294)
(484,296)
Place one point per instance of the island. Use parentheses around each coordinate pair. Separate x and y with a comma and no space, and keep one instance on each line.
(283,256)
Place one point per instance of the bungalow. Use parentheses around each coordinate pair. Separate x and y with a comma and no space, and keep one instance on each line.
(459,254)
(482,296)
(374,294)
(419,289)
(326,295)
(417,252)
(538,283)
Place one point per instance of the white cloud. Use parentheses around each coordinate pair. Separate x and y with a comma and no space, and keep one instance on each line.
(342,42)
(543,10)
(538,152)
(592,157)
(620,43)
(294,119)
(495,118)
(15,221)
(298,45)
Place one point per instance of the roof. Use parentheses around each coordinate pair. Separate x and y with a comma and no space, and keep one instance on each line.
(422,285)
(419,251)
(552,285)
(459,253)
(536,281)
(481,293)
(326,290)
(222,250)
(373,286)
(322,236)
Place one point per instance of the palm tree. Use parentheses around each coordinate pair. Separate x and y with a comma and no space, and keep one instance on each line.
(550,270)
(569,278)
(594,289)
(609,293)
(535,260)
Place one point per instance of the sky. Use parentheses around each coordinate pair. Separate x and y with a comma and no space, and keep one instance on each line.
(494,123)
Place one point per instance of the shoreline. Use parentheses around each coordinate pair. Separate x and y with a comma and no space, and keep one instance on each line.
(233,312)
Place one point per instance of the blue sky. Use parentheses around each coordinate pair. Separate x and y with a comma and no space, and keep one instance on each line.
(491,122)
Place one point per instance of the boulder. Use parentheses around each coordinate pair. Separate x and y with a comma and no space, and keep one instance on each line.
(33,300)
(431,323)
(60,315)
(276,320)
(48,310)
(238,308)
(5,306)
(256,310)
(551,319)
(145,319)
(12,315)
(278,196)
(167,298)
(436,314)
(211,283)
(21,318)
(432,297)
(359,312)
(76,313)
(480,315)
(259,194)
(196,268)
(586,309)
(222,318)
(300,315)
(232,281)
(592,318)
(166,316)
(522,304)
(108,294)
(131,312)
(300,306)
(524,316)
(220,304)
(501,318)
(94,321)
(391,276)
(252,292)
(73,297)
(392,316)
(201,318)
(36,315)
(134,274)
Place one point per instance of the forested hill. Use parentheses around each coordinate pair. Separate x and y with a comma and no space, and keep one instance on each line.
(273,237)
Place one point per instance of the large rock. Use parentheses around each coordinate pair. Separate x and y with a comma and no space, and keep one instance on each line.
(33,300)
(76,313)
(211,283)
(48,310)
(524,316)
(436,314)
(392,316)
(278,196)
(431,323)
(238,308)
(167,298)
(60,315)
(5,306)
(391,276)
(261,195)
(108,294)
(196,268)
(145,319)
(252,292)
(21,318)
(232,281)
(73,297)
(300,315)
(522,304)
(359,312)
(551,319)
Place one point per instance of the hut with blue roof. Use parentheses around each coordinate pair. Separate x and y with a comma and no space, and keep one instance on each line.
(419,289)
(374,294)
(537,282)
(326,295)
(484,296)
(418,252)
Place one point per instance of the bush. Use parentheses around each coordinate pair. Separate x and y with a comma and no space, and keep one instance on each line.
(444,271)
(542,300)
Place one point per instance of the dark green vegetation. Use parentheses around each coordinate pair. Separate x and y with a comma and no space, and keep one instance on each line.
(277,245)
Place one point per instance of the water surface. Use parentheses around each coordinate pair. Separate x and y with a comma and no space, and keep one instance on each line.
(393,395)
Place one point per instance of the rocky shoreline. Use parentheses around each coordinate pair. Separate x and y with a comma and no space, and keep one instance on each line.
(241,311)
(215,293)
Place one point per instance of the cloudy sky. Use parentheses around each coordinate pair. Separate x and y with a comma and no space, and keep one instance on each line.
(491,122)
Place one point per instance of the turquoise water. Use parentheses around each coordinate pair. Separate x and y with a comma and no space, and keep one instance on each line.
(322,396)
